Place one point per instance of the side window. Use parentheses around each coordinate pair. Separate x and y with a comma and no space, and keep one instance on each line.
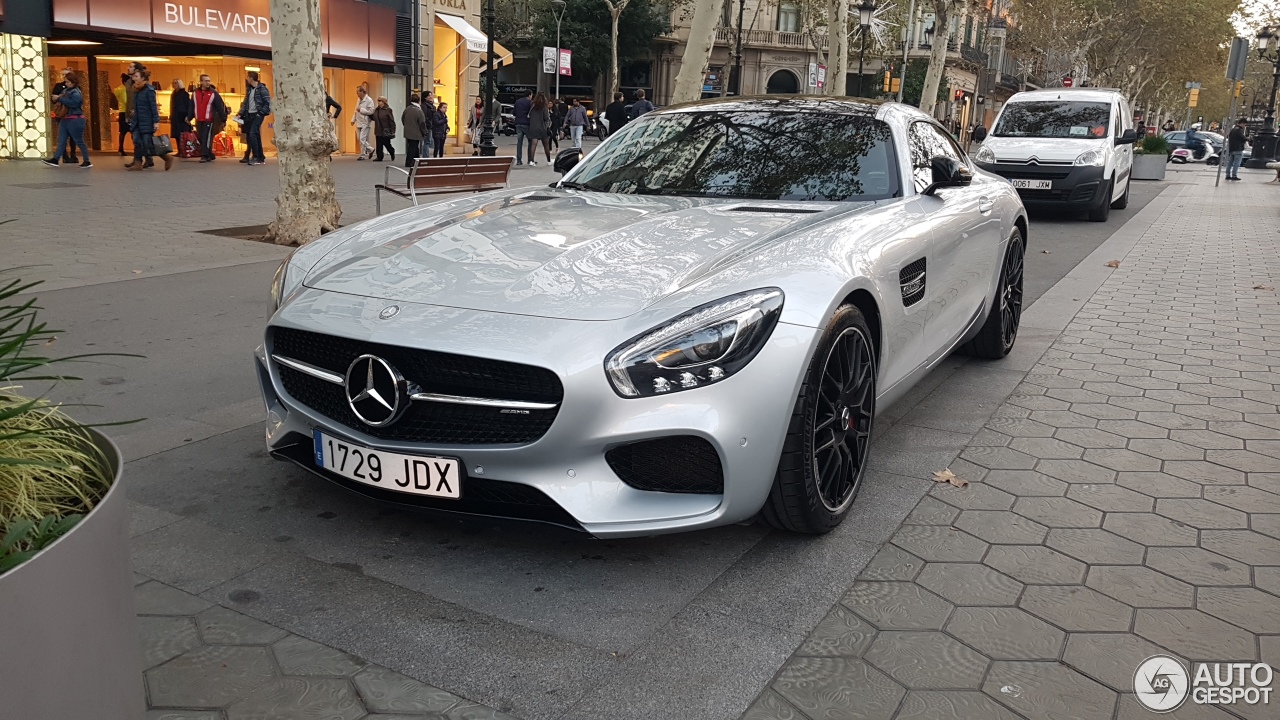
(1119,123)
(927,142)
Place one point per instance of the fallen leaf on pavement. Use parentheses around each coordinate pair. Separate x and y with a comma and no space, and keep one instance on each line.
(1263,287)
(51,341)
(1113,263)
(1046,252)
(946,476)
(137,272)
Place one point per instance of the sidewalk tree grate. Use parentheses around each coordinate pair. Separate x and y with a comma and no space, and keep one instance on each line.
(48,185)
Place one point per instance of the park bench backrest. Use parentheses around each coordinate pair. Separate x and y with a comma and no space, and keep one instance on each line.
(437,173)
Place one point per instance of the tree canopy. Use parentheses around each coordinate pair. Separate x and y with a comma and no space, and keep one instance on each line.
(586,27)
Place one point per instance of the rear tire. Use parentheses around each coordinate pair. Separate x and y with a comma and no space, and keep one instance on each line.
(1000,330)
(1123,202)
(1101,211)
(824,455)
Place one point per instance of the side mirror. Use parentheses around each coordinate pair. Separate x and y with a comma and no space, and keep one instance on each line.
(566,159)
(1129,137)
(979,134)
(948,172)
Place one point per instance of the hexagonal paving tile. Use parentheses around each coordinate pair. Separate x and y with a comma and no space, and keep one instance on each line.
(298,698)
(210,676)
(769,706)
(1268,580)
(1036,564)
(1204,472)
(220,626)
(897,605)
(1076,609)
(300,656)
(165,638)
(1251,609)
(1133,428)
(1076,471)
(1166,449)
(927,660)
(931,511)
(1150,529)
(970,584)
(1267,482)
(1001,527)
(1006,633)
(1207,439)
(1110,658)
(1046,448)
(952,705)
(1126,460)
(1243,545)
(977,496)
(934,543)
(1095,546)
(1158,485)
(892,563)
(1063,418)
(1201,513)
(1058,512)
(1111,498)
(1267,524)
(996,458)
(385,690)
(1195,635)
(1242,460)
(156,598)
(1092,437)
(1140,586)
(1025,483)
(1101,411)
(1243,497)
(1131,709)
(1019,427)
(838,688)
(1197,566)
(840,634)
(1048,690)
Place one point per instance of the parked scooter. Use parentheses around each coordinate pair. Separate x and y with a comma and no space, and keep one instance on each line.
(1204,153)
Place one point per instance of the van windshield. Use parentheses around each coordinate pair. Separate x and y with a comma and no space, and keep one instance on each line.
(1054,119)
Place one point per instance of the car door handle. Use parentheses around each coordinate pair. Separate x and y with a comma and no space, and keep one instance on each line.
(985,204)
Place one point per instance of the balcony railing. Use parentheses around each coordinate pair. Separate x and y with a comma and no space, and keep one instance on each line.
(767,38)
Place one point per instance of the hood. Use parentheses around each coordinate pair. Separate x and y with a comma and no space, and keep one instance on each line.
(557,254)
(1057,150)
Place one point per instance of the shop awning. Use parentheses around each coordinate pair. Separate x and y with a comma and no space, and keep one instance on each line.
(476,41)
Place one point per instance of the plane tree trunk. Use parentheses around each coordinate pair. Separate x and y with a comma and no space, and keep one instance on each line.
(697,52)
(938,54)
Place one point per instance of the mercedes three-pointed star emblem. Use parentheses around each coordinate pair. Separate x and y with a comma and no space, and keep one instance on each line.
(376,392)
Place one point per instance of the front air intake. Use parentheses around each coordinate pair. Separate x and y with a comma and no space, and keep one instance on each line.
(677,464)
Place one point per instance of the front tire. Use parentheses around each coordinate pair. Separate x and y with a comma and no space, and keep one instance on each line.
(1102,211)
(1123,202)
(1000,331)
(824,456)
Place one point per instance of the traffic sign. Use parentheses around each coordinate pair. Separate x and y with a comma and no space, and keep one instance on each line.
(1068,82)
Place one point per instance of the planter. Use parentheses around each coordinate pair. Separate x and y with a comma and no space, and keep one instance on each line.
(68,632)
(1148,167)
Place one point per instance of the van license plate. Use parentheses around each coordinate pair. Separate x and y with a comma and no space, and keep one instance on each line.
(1033,184)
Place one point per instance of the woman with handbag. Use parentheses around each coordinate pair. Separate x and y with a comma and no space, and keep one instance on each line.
(384,128)
(146,119)
(71,127)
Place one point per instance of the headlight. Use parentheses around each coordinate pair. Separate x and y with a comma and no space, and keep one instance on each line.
(985,155)
(700,347)
(280,283)
(1094,157)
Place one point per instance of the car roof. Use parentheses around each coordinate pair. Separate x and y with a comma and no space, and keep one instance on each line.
(1086,94)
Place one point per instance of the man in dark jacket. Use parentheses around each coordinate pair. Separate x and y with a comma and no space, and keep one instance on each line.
(416,129)
(616,113)
(179,111)
(1235,149)
(523,105)
(257,106)
(641,105)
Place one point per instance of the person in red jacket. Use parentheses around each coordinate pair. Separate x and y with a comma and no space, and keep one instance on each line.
(211,115)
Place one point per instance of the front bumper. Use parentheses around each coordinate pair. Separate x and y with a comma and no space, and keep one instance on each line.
(744,417)
(1073,186)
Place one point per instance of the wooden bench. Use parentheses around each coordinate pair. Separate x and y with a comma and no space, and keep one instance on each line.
(444,175)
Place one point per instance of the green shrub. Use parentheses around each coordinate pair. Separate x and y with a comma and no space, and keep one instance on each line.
(1152,145)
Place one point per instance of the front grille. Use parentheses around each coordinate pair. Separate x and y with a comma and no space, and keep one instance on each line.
(912,280)
(1035,174)
(479,496)
(678,464)
(1079,193)
(433,372)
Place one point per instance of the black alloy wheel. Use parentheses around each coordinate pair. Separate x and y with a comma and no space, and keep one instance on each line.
(828,442)
(1000,330)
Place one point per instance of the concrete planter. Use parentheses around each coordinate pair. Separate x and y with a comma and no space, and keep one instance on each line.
(1148,167)
(68,632)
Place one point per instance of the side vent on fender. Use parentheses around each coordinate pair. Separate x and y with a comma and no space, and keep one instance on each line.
(912,280)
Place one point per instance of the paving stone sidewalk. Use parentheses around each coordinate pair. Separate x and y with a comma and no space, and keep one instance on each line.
(1123,502)
(206,662)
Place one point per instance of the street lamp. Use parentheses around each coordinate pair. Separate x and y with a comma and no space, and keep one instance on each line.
(865,12)
(557,9)
(490,116)
(1264,143)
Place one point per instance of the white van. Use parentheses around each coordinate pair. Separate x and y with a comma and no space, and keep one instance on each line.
(1065,147)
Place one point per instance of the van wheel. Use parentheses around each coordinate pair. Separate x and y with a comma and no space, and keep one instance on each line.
(1102,210)
(1123,202)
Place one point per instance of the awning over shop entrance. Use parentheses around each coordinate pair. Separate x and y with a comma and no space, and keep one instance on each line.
(476,41)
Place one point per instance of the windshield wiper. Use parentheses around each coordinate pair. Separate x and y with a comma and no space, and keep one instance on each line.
(571,185)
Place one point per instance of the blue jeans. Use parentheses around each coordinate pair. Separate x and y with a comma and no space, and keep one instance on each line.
(70,129)
(522,131)
(253,136)
(1233,163)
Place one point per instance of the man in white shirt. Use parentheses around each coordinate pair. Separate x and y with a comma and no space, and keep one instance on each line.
(362,119)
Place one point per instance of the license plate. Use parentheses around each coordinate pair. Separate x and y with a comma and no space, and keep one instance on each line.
(1033,184)
(416,474)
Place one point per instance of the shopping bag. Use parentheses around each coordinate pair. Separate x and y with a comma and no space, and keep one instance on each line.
(162,145)
(189,145)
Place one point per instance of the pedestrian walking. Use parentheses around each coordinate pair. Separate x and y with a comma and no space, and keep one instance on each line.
(416,129)
(577,120)
(122,96)
(256,108)
(521,113)
(210,112)
(59,111)
(440,128)
(179,111)
(131,90)
(616,113)
(539,128)
(71,127)
(559,113)
(146,120)
(362,120)
(475,125)
(1235,149)
(331,106)
(384,127)
(641,106)
(1169,126)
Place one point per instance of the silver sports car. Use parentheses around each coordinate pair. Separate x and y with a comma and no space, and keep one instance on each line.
(694,327)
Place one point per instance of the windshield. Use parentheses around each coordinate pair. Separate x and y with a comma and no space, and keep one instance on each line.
(745,154)
(1054,119)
